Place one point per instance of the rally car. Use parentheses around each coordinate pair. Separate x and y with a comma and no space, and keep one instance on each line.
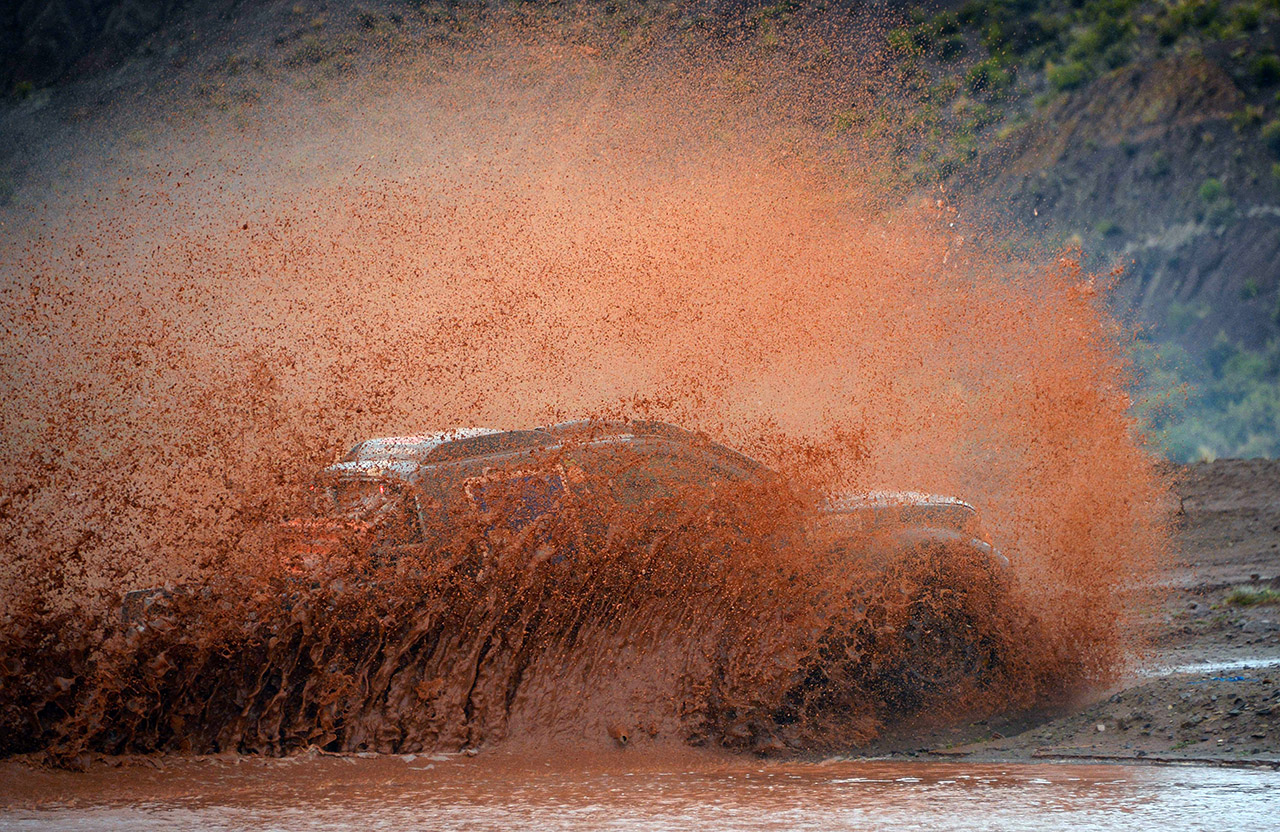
(536,490)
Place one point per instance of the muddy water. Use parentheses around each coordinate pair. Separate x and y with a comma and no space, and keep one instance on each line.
(623,791)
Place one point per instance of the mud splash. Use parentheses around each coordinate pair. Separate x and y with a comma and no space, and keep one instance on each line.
(543,232)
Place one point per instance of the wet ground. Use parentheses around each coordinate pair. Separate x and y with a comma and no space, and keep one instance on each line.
(1207,686)
(624,791)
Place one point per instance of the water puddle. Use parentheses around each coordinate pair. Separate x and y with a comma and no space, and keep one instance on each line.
(1206,668)
(502,793)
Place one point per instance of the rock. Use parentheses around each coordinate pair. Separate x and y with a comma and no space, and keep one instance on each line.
(1260,626)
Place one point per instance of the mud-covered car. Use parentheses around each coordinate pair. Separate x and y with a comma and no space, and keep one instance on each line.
(926,589)
(901,593)
(536,491)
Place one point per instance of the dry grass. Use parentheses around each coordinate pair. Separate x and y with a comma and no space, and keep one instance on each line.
(1250,596)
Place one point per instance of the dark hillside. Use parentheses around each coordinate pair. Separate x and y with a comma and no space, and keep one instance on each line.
(47,40)
(1148,133)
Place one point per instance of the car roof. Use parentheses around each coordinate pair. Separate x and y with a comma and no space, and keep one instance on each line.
(401,456)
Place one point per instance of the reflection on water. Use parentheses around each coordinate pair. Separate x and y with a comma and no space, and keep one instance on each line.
(1201,668)
(626,791)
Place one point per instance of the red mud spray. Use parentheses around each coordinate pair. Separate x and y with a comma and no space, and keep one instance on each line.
(544,227)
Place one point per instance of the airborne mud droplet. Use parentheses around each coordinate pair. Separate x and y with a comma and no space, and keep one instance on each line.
(541,235)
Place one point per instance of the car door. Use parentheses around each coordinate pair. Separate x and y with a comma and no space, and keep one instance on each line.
(523,511)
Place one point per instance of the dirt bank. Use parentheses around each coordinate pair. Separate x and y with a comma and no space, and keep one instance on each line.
(1208,689)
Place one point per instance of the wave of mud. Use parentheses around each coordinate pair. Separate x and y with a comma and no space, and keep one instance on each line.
(543,231)
(713,625)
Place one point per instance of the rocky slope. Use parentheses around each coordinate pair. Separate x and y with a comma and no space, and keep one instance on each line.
(1148,134)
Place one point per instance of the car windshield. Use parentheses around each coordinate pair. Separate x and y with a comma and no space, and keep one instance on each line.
(937,515)
(364,496)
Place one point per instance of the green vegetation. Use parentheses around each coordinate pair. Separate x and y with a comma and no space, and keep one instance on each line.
(1224,405)
(1265,70)
(1250,596)
(1016,53)
(1218,208)
(988,76)
(980,71)
(1271,134)
(311,50)
(1249,116)
(1067,76)
(1159,165)
(1182,316)
(1211,190)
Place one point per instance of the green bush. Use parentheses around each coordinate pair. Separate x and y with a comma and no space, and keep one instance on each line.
(1182,316)
(310,50)
(1086,44)
(1184,16)
(1248,596)
(994,36)
(941,34)
(988,76)
(972,12)
(1159,165)
(1168,31)
(1265,70)
(1220,212)
(1212,190)
(950,47)
(923,36)
(1199,13)
(1250,289)
(1247,17)
(900,40)
(1067,76)
(1220,352)
(1229,405)
(1248,117)
(1271,134)
(1117,55)
(946,23)
(1092,41)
